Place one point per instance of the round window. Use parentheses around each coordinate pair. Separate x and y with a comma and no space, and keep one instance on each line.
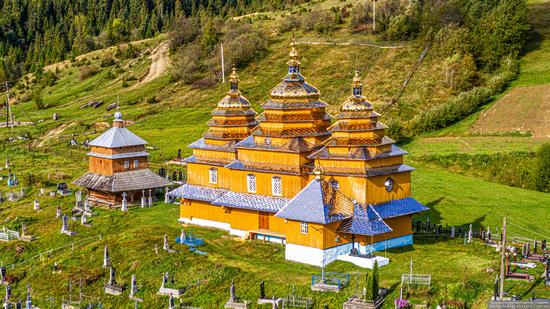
(389,184)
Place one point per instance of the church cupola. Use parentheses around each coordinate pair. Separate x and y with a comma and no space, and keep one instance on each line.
(234,79)
(118,122)
(293,63)
(357,85)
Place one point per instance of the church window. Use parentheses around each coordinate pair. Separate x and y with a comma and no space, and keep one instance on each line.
(304,228)
(389,183)
(126,165)
(251,183)
(213,173)
(276,186)
(136,163)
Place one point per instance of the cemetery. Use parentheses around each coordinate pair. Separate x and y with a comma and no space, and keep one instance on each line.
(239,228)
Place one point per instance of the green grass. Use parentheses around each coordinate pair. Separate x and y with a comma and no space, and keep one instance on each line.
(132,238)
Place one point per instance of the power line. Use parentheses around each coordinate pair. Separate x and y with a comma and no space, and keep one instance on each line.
(531,231)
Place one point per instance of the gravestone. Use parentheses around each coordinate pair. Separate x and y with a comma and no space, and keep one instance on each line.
(65,226)
(166,197)
(150,197)
(84,220)
(143,199)
(535,246)
(3,275)
(58,212)
(233,301)
(42,192)
(87,209)
(28,302)
(24,235)
(453,231)
(36,205)
(11,196)
(106,258)
(543,245)
(171,302)
(547,272)
(78,198)
(179,153)
(166,245)
(174,175)
(180,175)
(263,300)
(167,291)
(134,290)
(55,116)
(112,288)
(8,293)
(470,234)
(124,206)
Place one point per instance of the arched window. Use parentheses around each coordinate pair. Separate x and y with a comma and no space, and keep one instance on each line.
(389,184)
(213,175)
(276,186)
(251,183)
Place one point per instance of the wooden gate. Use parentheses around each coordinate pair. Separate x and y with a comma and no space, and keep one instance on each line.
(263,223)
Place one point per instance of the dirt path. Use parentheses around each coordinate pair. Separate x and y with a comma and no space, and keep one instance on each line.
(52,134)
(159,65)
(523,109)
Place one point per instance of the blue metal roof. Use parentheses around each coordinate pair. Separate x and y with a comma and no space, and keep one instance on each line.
(251,201)
(309,205)
(201,144)
(200,193)
(365,221)
(397,208)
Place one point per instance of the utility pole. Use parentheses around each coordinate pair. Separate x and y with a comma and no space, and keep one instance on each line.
(7,104)
(502,259)
(223,64)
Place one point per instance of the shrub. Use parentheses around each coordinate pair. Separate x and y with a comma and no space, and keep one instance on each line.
(185,31)
(245,45)
(203,83)
(107,61)
(289,23)
(319,21)
(87,71)
(543,169)
(187,63)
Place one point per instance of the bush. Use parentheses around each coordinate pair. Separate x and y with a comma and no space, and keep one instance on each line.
(543,169)
(186,30)
(289,23)
(87,71)
(460,71)
(246,44)
(107,61)
(187,63)
(319,21)
(204,83)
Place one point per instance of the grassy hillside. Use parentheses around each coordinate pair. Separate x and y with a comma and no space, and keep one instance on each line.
(170,115)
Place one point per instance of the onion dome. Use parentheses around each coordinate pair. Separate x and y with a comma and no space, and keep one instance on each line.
(118,122)
(234,98)
(294,92)
(356,101)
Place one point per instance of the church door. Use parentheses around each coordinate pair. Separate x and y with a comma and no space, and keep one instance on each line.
(264,221)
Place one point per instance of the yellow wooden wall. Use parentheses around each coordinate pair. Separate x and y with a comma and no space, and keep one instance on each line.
(291,184)
(198,174)
(401,226)
(376,191)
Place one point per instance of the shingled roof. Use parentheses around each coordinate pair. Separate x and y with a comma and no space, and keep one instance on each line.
(318,202)
(123,181)
(118,137)
(365,221)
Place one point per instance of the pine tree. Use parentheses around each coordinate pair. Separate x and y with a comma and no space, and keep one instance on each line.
(375,281)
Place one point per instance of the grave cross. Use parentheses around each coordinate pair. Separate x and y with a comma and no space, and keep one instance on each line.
(171,302)
(164,280)
(150,197)
(182,236)
(28,302)
(8,293)
(36,205)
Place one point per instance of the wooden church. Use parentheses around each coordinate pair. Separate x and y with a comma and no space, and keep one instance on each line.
(119,168)
(289,175)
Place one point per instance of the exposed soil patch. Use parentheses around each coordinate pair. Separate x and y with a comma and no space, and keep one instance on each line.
(159,64)
(523,109)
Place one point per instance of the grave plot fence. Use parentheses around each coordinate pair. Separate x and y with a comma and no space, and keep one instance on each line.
(54,250)
(297,302)
(416,279)
(329,278)
(523,304)
(8,235)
